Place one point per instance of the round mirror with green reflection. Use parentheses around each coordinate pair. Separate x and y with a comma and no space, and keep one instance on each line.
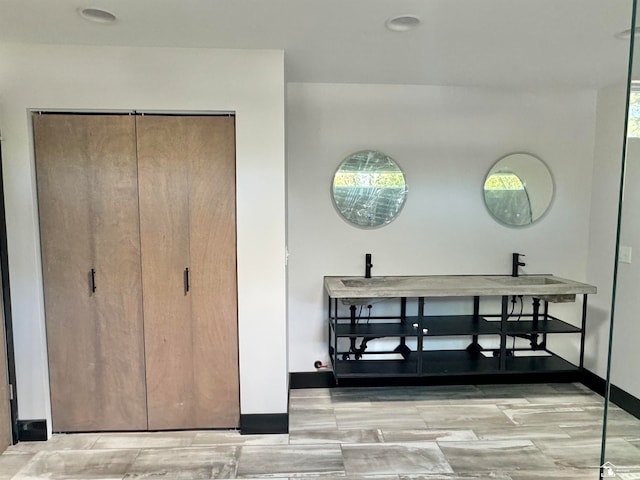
(369,189)
(518,189)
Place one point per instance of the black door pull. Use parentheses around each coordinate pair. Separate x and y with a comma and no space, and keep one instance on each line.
(186,280)
(93,280)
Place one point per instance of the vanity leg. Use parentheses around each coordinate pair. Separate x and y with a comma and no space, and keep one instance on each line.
(402,348)
(503,335)
(474,347)
(333,333)
(330,343)
(584,326)
(545,316)
(476,317)
(352,310)
(420,332)
(536,316)
(403,320)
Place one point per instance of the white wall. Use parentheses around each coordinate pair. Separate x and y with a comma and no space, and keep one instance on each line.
(250,83)
(626,328)
(609,140)
(445,139)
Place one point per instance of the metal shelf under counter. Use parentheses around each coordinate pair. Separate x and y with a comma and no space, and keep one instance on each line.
(442,363)
(350,335)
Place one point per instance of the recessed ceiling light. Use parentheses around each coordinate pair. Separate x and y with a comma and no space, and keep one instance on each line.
(626,34)
(97,15)
(403,23)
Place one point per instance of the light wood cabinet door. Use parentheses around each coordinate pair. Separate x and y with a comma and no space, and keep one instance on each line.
(187,211)
(88,206)
(163,176)
(213,263)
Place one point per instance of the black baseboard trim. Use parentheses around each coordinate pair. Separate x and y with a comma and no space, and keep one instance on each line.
(625,401)
(325,379)
(594,382)
(264,423)
(558,377)
(32,430)
(321,379)
(618,396)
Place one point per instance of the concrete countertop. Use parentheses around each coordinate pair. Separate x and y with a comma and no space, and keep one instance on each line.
(547,287)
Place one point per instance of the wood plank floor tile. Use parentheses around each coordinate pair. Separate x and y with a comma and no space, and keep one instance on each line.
(557,472)
(400,458)
(76,441)
(458,476)
(12,463)
(226,437)
(145,440)
(549,414)
(312,419)
(519,432)
(335,436)
(185,463)
(462,416)
(494,455)
(290,461)
(78,464)
(393,417)
(449,435)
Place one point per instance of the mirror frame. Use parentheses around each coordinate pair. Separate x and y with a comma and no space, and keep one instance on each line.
(363,205)
(543,200)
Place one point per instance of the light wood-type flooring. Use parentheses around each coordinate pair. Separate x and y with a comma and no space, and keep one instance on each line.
(503,432)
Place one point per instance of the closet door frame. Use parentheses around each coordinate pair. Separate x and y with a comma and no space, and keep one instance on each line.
(173,113)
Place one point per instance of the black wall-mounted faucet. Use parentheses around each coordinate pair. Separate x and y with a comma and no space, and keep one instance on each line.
(516,263)
(367,265)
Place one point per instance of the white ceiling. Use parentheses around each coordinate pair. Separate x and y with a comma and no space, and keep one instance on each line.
(502,43)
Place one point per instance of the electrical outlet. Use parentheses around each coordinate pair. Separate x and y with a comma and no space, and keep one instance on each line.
(624,254)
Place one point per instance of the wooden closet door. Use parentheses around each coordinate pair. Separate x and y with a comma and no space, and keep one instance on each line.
(213,263)
(187,205)
(163,176)
(87,196)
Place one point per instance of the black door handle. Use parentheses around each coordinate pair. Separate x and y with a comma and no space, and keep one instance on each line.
(186,280)
(93,280)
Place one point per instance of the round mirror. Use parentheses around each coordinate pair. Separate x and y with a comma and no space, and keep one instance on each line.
(369,189)
(518,189)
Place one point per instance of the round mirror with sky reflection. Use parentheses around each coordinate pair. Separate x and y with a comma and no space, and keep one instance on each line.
(369,189)
(518,189)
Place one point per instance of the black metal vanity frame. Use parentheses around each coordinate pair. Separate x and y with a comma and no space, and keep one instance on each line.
(473,362)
